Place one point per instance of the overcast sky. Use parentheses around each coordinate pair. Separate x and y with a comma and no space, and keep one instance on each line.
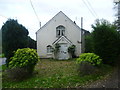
(75,9)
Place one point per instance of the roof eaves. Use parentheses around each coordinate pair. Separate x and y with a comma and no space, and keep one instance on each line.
(56,41)
(49,21)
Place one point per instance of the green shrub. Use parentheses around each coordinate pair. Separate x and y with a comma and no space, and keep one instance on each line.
(4,67)
(106,41)
(24,58)
(91,58)
(71,50)
(2,55)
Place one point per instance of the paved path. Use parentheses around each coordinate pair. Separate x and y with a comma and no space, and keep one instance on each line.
(2,61)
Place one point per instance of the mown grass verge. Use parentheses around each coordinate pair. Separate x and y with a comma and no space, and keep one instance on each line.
(56,74)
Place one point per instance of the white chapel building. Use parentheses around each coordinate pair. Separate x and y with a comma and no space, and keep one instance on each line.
(59,30)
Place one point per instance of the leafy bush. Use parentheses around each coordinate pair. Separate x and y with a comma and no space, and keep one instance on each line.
(25,59)
(3,67)
(2,55)
(106,41)
(91,58)
(57,48)
(71,50)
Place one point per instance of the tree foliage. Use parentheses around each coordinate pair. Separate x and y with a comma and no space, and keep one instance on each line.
(106,41)
(89,44)
(14,36)
(32,43)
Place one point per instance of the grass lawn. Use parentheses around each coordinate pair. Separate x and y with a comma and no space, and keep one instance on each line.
(2,55)
(56,74)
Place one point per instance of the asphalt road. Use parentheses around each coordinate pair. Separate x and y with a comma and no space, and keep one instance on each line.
(2,61)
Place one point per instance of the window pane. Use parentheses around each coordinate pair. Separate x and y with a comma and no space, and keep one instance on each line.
(63,32)
(49,49)
(60,30)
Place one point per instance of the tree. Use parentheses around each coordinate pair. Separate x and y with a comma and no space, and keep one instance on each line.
(14,36)
(117,15)
(106,41)
(89,43)
(31,43)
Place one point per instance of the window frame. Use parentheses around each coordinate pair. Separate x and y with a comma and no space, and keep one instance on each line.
(49,49)
(60,31)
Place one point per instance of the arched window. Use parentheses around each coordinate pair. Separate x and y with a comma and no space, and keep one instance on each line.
(60,31)
(49,49)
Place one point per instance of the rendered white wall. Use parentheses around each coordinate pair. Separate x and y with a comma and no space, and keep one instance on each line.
(47,34)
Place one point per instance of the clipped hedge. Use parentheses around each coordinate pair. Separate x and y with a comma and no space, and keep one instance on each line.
(23,62)
(92,58)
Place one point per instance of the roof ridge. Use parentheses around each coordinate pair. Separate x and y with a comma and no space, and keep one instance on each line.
(65,16)
(49,20)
